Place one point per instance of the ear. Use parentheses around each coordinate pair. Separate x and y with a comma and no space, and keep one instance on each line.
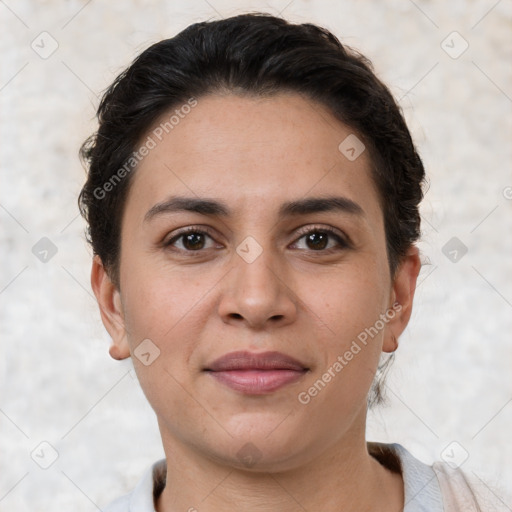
(109,301)
(401,299)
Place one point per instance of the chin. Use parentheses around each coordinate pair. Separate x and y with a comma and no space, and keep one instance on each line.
(265,444)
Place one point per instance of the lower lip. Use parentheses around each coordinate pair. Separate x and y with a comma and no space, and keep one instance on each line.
(257,382)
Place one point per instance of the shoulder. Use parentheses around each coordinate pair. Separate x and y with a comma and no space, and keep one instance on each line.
(439,487)
(141,499)
(465,490)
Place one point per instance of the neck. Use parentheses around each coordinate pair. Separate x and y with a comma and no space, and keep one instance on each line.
(345,477)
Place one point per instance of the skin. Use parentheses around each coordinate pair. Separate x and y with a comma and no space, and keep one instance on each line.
(309,302)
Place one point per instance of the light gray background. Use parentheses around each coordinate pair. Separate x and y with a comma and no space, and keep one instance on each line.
(451,381)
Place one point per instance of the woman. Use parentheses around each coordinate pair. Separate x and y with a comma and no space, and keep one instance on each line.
(252,202)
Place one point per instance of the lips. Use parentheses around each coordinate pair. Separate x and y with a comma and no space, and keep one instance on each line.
(256,374)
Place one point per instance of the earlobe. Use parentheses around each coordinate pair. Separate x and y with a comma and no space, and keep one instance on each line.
(109,302)
(390,343)
(116,353)
(402,296)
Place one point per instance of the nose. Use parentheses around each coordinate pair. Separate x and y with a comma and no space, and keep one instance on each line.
(257,293)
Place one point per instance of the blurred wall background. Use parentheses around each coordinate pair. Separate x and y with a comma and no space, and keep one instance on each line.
(76,430)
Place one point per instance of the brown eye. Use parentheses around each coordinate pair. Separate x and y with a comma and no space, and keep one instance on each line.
(190,240)
(193,241)
(317,240)
(322,239)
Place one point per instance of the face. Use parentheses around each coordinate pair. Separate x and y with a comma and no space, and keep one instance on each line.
(246,229)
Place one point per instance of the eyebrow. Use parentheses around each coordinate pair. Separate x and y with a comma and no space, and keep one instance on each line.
(289,209)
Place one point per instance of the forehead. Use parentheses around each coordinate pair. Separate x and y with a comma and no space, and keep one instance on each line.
(251,151)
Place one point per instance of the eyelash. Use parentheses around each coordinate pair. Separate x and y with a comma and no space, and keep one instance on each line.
(343,243)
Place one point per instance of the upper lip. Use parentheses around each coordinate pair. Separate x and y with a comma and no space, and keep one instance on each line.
(243,360)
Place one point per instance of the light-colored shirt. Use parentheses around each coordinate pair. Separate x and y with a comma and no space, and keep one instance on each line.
(436,488)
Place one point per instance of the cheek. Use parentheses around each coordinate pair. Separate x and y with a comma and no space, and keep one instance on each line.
(347,301)
(157,295)
(162,310)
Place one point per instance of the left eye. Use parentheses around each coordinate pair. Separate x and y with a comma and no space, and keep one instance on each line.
(319,240)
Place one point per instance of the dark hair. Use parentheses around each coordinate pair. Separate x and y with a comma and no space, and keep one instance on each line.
(252,54)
